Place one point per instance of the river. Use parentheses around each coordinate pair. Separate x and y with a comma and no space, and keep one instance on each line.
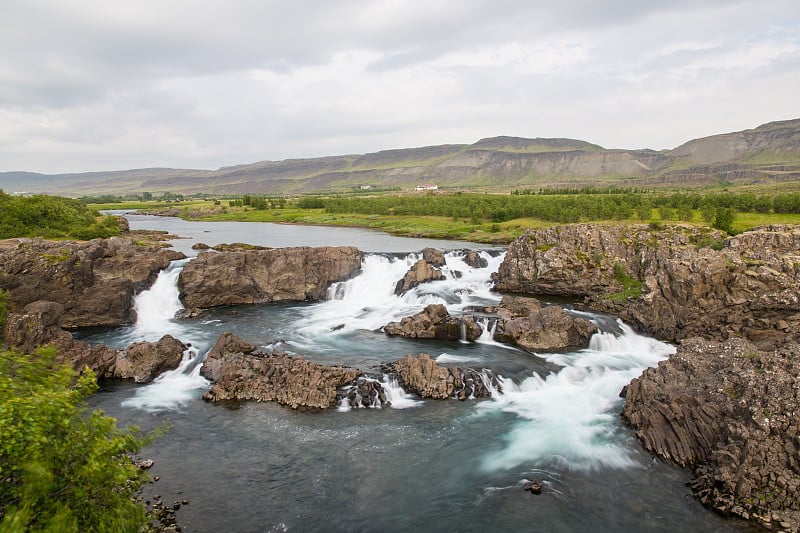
(418,465)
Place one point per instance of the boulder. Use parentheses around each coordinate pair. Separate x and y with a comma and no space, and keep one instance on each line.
(728,411)
(143,361)
(526,323)
(426,378)
(474,259)
(420,272)
(433,257)
(261,276)
(434,322)
(94,281)
(241,373)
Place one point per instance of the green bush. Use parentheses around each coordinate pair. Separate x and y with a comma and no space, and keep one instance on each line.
(62,468)
(51,217)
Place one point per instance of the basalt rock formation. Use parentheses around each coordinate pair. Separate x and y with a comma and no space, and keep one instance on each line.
(528,324)
(423,376)
(434,322)
(260,276)
(37,325)
(241,372)
(668,282)
(93,281)
(421,272)
(728,411)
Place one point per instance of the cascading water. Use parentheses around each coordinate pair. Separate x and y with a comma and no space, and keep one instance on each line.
(570,417)
(155,316)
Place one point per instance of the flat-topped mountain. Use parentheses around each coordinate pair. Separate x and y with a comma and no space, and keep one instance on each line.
(768,153)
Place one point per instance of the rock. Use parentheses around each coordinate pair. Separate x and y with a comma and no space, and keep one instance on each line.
(534,487)
(227,343)
(524,322)
(288,380)
(433,257)
(37,325)
(94,281)
(425,377)
(728,411)
(420,272)
(227,247)
(261,276)
(143,361)
(667,282)
(474,259)
(434,322)
(200,246)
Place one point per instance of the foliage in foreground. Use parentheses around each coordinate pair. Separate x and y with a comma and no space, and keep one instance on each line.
(51,217)
(61,468)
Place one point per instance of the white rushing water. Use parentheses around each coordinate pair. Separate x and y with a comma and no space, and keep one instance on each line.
(368,301)
(571,418)
(155,311)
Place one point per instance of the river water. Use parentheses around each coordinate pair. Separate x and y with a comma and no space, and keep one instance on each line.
(418,465)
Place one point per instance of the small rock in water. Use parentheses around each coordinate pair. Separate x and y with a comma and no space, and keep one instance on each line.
(144,464)
(534,487)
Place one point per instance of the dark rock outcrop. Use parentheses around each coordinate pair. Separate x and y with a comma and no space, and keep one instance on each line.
(434,322)
(143,361)
(667,282)
(261,276)
(242,373)
(93,281)
(420,272)
(526,323)
(425,377)
(729,412)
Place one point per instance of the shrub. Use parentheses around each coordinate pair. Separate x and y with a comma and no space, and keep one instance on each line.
(61,468)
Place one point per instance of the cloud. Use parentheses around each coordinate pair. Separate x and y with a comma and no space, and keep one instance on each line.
(108,85)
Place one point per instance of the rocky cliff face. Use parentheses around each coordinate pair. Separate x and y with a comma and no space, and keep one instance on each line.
(666,281)
(94,281)
(261,276)
(729,412)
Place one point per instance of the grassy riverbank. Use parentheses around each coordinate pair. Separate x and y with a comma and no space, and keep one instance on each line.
(489,218)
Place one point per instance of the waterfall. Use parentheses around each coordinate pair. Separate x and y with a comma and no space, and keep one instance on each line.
(570,417)
(368,301)
(156,308)
(396,396)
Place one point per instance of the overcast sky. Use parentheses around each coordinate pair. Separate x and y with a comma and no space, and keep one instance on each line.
(100,85)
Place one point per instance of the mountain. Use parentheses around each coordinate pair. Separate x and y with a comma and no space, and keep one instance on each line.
(766,154)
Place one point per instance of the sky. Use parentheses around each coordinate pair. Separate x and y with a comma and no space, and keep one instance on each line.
(88,85)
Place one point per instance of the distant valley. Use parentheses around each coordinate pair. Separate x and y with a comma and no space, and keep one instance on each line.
(767,154)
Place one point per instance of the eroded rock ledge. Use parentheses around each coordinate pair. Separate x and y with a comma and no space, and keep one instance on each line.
(37,325)
(240,371)
(239,276)
(93,281)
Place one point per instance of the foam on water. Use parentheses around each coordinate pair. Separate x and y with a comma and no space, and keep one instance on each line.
(570,418)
